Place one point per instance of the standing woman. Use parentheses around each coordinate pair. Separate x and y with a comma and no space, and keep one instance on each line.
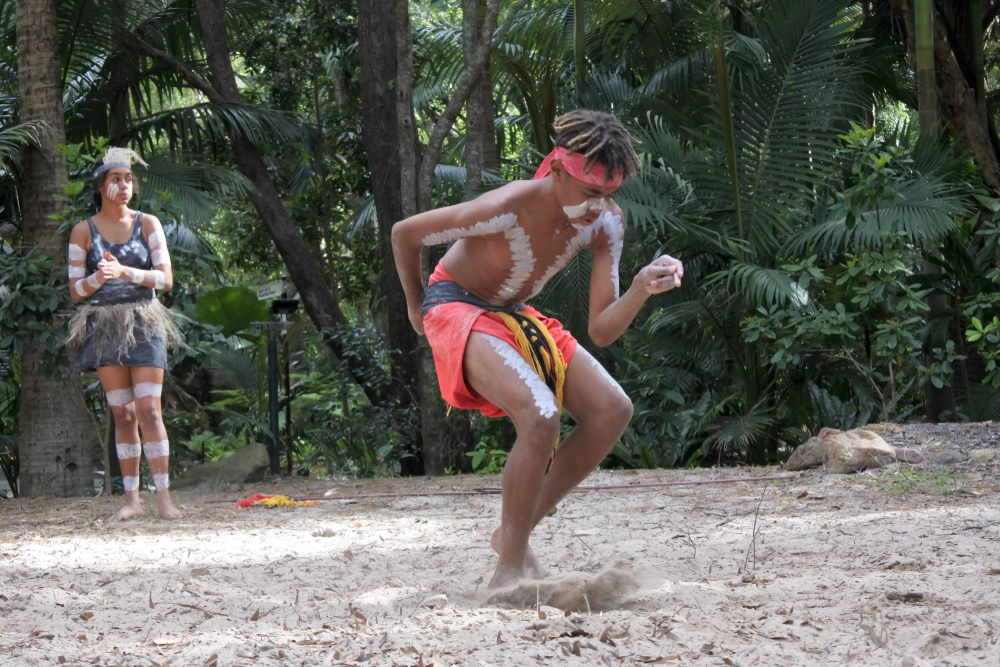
(117,259)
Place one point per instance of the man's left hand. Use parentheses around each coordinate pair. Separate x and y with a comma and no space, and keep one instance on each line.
(662,274)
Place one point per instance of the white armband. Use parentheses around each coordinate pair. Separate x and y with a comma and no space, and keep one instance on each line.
(76,271)
(161,257)
(92,282)
(76,253)
(155,239)
(135,275)
(159,280)
(80,288)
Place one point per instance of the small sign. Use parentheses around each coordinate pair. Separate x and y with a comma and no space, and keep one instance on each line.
(5,370)
(271,290)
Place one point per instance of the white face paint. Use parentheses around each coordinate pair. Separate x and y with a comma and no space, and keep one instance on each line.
(112,191)
(115,189)
(580,210)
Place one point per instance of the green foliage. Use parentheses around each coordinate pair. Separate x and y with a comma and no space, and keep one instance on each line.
(486,460)
(10,403)
(232,308)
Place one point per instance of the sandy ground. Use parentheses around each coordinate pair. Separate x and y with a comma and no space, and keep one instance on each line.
(897,567)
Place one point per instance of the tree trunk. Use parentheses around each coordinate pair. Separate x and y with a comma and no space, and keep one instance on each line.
(381,131)
(923,23)
(474,121)
(961,113)
(53,424)
(303,267)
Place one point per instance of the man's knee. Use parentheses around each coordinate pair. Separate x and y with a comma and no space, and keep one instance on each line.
(538,430)
(615,412)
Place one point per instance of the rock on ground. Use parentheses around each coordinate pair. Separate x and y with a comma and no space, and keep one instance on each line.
(242,467)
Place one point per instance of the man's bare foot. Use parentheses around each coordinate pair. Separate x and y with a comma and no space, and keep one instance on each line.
(131,510)
(165,507)
(533,568)
(506,577)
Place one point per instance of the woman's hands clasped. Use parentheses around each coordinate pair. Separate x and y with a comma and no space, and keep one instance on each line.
(109,268)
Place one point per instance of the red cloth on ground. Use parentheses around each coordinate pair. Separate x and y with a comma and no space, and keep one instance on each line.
(248,502)
(447,328)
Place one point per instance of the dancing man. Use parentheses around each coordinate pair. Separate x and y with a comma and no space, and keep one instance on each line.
(497,355)
(117,259)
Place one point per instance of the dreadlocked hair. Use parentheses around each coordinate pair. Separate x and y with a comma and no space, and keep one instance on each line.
(599,137)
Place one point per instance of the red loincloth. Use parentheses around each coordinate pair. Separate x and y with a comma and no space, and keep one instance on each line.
(447,327)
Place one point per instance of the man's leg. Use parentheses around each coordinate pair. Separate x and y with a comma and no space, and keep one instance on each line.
(602,410)
(117,384)
(148,385)
(496,370)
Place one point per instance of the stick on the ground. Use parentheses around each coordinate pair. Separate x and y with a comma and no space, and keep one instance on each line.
(753,535)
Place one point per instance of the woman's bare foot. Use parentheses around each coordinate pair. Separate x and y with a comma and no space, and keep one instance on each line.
(533,568)
(165,506)
(131,510)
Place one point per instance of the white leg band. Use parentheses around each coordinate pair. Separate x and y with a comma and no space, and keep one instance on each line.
(156,450)
(545,400)
(76,272)
(135,276)
(155,239)
(120,397)
(130,483)
(161,257)
(162,481)
(76,253)
(80,288)
(159,280)
(148,389)
(128,451)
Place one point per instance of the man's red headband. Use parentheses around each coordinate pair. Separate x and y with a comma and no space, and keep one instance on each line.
(575,165)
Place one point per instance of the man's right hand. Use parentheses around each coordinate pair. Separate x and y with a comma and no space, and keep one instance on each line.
(416,319)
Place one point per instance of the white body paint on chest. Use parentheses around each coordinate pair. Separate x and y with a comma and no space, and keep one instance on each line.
(545,400)
(501,223)
(524,264)
(612,226)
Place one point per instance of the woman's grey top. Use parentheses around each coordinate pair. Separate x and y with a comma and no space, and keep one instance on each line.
(134,254)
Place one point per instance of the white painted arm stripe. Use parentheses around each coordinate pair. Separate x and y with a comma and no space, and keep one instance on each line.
(501,223)
(135,275)
(76,271)
(155,239)
(159,280)
(92,282)
(161,257)
(81,288)
(76,253)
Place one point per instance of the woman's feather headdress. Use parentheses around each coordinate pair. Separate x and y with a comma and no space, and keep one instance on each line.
(119,157)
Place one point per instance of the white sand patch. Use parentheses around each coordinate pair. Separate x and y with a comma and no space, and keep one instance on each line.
(846,573)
